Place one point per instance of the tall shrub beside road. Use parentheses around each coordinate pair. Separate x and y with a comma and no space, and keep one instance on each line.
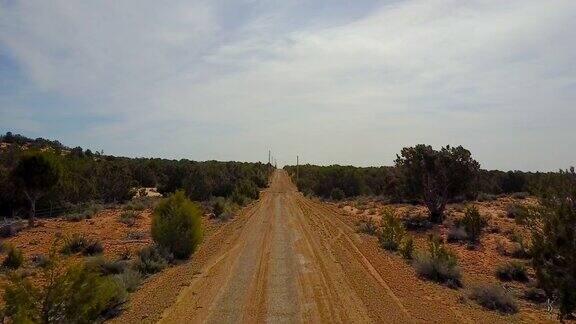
(554,243)
(177,225)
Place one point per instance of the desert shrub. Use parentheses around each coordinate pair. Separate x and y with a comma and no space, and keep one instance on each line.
(535,294)
(512,271)
(14,258)
(135,205)
(82,211)
(520,195)
(494,297)
(392,231)
(436,176)
(223,208)
(93,247)
(35,175)
(554,246)
(78,243)
(456,234)
(473,223)
(128,218)
(74,244)
(151,259)
(129,279)
(41,261)
(75,217)
(337,194)
(513,249)
(245,191)
(438,263)
(406,248)
(417,224)
(114,267)
(482,197)
(519,249)
(368,226)
(10,229)
(177,225)
(515,211)
(218,206)
(135,235)
(77,295)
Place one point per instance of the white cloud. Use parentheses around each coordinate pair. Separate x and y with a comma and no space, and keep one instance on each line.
(494,76)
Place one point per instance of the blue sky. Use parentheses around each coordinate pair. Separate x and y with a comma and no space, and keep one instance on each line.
(349,82)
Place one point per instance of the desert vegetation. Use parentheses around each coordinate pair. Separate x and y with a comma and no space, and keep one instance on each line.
(533,253)
(43,178)
(79,279)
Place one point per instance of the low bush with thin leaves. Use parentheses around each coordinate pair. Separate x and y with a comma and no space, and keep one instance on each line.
(472,223)
(494,297)
(14,258)
(407,247)
(152,259)
(437,263)
(392,230)
(368,226)
(512,271)
(76,295)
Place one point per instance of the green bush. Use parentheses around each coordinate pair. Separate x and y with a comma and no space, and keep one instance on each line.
(128,218)
(473,223)
(515,211)
(223,208)
(79,243)
(512,271)
(535,294)
(93,247)
(77,295)
(554,249)
(151,259)
(438,263)
(14,258)
(494,297)
(74,244)
(407,247)
(337,194)
(177,225)
(392,231)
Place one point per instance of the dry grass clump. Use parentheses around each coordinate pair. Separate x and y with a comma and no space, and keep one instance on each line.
(512,271)
(494,297)
(437,263)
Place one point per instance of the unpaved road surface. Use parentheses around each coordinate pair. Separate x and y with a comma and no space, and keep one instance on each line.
(289,259)
(291,263)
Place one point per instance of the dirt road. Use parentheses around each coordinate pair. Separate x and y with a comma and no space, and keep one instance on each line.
(290,263)
(288,259)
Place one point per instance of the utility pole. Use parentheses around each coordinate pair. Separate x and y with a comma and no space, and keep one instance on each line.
(269,154)
(297,166)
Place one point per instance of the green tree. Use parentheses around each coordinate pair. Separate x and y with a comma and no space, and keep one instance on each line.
(554,244)
(36,174)
(177,225)
(436,176)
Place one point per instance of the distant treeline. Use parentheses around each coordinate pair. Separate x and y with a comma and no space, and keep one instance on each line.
(338,182)
(87,176)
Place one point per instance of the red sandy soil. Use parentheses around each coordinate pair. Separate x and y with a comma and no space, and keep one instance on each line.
(478,265)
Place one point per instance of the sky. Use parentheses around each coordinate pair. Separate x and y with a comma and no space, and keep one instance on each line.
(347,82)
